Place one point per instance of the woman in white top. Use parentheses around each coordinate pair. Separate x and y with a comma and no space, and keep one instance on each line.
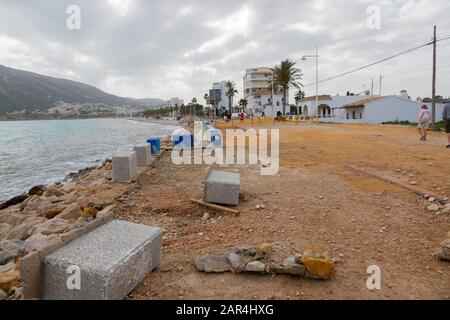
(424,122)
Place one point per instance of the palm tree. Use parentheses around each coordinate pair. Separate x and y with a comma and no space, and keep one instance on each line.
(286,76)
(300,95)
(230,92)
(243,103)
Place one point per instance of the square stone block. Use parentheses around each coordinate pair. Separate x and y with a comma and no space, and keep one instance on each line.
(112,260)
(143,155)
(124,167)
(222,188)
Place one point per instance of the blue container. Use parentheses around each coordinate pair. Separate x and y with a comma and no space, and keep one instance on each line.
(216,138)
(183,141)
(155,145)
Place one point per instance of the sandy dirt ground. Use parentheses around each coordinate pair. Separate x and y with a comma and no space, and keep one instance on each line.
(313,199)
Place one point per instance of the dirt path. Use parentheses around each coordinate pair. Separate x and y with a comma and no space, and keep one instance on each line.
(314,198)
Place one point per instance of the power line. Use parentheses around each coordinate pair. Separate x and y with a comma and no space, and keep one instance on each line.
(379,61)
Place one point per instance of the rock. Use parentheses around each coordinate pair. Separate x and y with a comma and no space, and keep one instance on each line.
(433,208)
(108,166)
(317,262)
(205,216)
(413,183)
(52,212)
(266,249)
(89,213)
(10,250)
(13,218)
(23,231)
(260,207)
(290,266)
(37,191)
(8,280)
(36,204)
(431,199)
(12,202)
(444,253)
(3,295)
(213,264)
(447,205)
(256,266)
(53,191)
(39,241)
(446,211)
(54,226)
(241,256)
(7,267)
(4,229)
(16,292)
(71,212)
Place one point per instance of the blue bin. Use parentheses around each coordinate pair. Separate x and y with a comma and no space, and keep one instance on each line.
(155,145)
(183,141)
(216,138)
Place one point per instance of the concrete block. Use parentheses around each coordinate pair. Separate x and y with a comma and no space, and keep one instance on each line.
(222,188)
(113,259)
(124,167)
(143,156)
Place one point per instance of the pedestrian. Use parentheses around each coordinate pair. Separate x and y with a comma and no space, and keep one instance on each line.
(446,117)
(424,122)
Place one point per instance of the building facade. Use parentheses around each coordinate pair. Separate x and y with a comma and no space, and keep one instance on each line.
(224,103)
(175,102)
(258,93)
(363,109)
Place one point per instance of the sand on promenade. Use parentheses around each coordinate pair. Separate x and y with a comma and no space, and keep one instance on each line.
(314,198)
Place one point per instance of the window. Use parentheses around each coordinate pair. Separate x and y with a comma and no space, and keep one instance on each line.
(360,115)
(269,100)
(278,103)
(354,114)
(348,115)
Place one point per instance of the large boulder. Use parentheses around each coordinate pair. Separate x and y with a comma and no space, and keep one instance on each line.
(37,191)
(23,231)
(54,226)
(53,191)
(39,241)
(10,250)
(73,211)
(4,229)
(35,204)
(12,202)
(8,280)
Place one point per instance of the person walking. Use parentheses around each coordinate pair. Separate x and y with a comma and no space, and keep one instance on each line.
(446,117)
(424,122)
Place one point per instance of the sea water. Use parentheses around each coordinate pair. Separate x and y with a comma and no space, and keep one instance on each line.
(43,152)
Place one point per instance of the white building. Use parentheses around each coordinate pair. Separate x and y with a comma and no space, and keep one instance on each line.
(363,109)
(174,102)
(258,93)
(224,103)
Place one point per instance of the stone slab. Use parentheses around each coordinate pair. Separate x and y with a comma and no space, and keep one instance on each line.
(113,259)
(143,154)
(222,188)
(124,167)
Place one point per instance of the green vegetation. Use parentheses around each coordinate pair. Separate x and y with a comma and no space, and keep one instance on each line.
(230,92)
(192,108)
(286,76)
(439,125)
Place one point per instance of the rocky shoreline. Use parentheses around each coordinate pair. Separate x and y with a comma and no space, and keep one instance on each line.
(50,215)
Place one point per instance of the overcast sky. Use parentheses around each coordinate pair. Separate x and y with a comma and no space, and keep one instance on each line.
(164,49)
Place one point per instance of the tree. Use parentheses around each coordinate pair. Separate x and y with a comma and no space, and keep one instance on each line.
(286,76)
(300,95)
(243,103)
(230,91)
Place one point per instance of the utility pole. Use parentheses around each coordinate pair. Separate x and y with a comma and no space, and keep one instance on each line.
(433,106)
(381,79)
(371,90)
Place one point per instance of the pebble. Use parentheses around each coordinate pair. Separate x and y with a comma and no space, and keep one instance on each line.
(205,216)
(3,295)
(431,199)
(413,183)
(433,208)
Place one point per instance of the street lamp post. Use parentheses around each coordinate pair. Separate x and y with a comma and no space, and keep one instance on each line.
(316,56)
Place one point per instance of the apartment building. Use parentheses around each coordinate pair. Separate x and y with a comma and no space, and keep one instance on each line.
(258,93)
